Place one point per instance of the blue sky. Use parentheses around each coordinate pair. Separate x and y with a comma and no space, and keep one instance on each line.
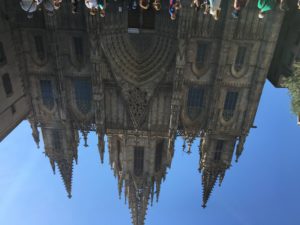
(263,188)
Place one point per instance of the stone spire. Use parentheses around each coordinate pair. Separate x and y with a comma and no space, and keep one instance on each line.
(66,170)
(138,201)
(101,147)
(221,177)
(240,147)
(35,131)
(209,178)
(52,162)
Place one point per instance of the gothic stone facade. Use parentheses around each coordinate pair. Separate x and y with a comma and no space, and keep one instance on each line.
(140,82)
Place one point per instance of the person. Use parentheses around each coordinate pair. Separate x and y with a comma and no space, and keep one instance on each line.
(298,4)
(56,4)
(144,4)
(30,6)
(92,5)
(215,9)
(49,7)
(174,6)
(74,6)
(238,6)
(101,7)
(156,5)
(269,5)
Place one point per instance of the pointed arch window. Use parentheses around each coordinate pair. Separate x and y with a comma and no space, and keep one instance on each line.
(47,93)
(39,46)
(78,48)
(7,85)
(83,95)
(230,104)
(195,102)
(2,55)
(138,161)
(158,155)
(201,53)
(240,58)
(219,149)
(56,140)
(119,155)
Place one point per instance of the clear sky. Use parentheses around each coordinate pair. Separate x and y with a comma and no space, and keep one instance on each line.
(263,188)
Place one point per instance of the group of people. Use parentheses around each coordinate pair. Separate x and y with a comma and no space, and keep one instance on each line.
(212,7)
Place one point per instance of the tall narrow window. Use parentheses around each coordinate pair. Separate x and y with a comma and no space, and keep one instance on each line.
(78,48)
(7,85)
(201,53)
(230,104)
(218,151)
(39,46)
(83,94)
(195,101)
(56,140)
(119,155)
(240,58)
(47,93)
(2,54)
(158,155)
(138,161)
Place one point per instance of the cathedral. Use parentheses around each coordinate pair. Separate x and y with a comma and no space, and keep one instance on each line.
(142,80)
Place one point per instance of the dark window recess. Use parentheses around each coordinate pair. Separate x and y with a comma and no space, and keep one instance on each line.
(119,155)
(218,151)
(148,20)
(83,94)
(240,58)
(39,46)
(141,19)
(47,93)
(158,155)
(56,140)
(230,104)
(7,85)
(78,48)
(297,41)
(201,53)
(195,101)
(2,54)
(138,161)
(13,109)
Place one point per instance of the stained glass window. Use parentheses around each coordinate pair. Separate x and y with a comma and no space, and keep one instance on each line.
(195,101)
(230,104)
(218,151)
(39,46)
(78,48)
(7,85)
(47,93)
(158,155)
(138,161)
(201,53)
(119,154)
(83,94)
(56,140)
(240,58)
